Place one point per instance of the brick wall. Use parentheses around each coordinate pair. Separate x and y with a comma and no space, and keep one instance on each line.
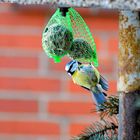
(38,101)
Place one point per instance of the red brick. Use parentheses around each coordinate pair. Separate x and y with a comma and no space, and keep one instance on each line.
(113,45)
(18,62)
(85,12)
(29,127)
(58,66)
(102,13)
(16,18)
(31,84)
(112,87)
(27,42)
(73,88)
(34,10)
(106,65)
(18,106)
(98,43)
(103,24)
(68,108)
(76,129)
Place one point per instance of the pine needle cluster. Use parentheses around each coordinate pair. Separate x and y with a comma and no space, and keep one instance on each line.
(107,127)
(103,130)
(111,107)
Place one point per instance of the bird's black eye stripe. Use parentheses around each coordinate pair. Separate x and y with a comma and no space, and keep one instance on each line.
(70,67)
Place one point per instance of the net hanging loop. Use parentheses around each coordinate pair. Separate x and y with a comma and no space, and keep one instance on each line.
(64,11)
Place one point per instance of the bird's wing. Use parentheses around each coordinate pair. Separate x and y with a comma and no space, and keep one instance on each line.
(91,74)
(103,82)
(87,69)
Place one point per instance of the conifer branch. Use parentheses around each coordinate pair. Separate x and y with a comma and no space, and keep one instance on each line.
(111,107)
(107,127)
(103,130)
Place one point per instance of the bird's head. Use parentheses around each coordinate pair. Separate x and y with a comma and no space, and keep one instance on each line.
(71,67)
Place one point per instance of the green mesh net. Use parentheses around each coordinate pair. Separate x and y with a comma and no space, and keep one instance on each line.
(82,32)
(69,35)
(57,36)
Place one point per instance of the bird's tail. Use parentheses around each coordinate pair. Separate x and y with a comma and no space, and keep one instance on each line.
(99,98)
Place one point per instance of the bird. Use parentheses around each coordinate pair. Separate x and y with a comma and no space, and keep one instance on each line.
(88,77)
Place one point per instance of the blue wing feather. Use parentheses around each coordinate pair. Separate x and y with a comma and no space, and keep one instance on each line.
(103,82)
(99,99)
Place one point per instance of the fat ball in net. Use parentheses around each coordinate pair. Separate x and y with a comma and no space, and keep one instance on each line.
(81,51)
(57,40)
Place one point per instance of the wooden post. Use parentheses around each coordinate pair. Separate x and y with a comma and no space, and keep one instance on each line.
(129,75)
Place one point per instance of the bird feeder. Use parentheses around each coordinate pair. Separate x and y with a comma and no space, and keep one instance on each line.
(66,34)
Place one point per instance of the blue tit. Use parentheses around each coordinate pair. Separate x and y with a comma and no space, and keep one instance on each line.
(88,77)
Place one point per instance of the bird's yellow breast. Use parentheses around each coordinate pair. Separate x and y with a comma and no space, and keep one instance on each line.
(81,79)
